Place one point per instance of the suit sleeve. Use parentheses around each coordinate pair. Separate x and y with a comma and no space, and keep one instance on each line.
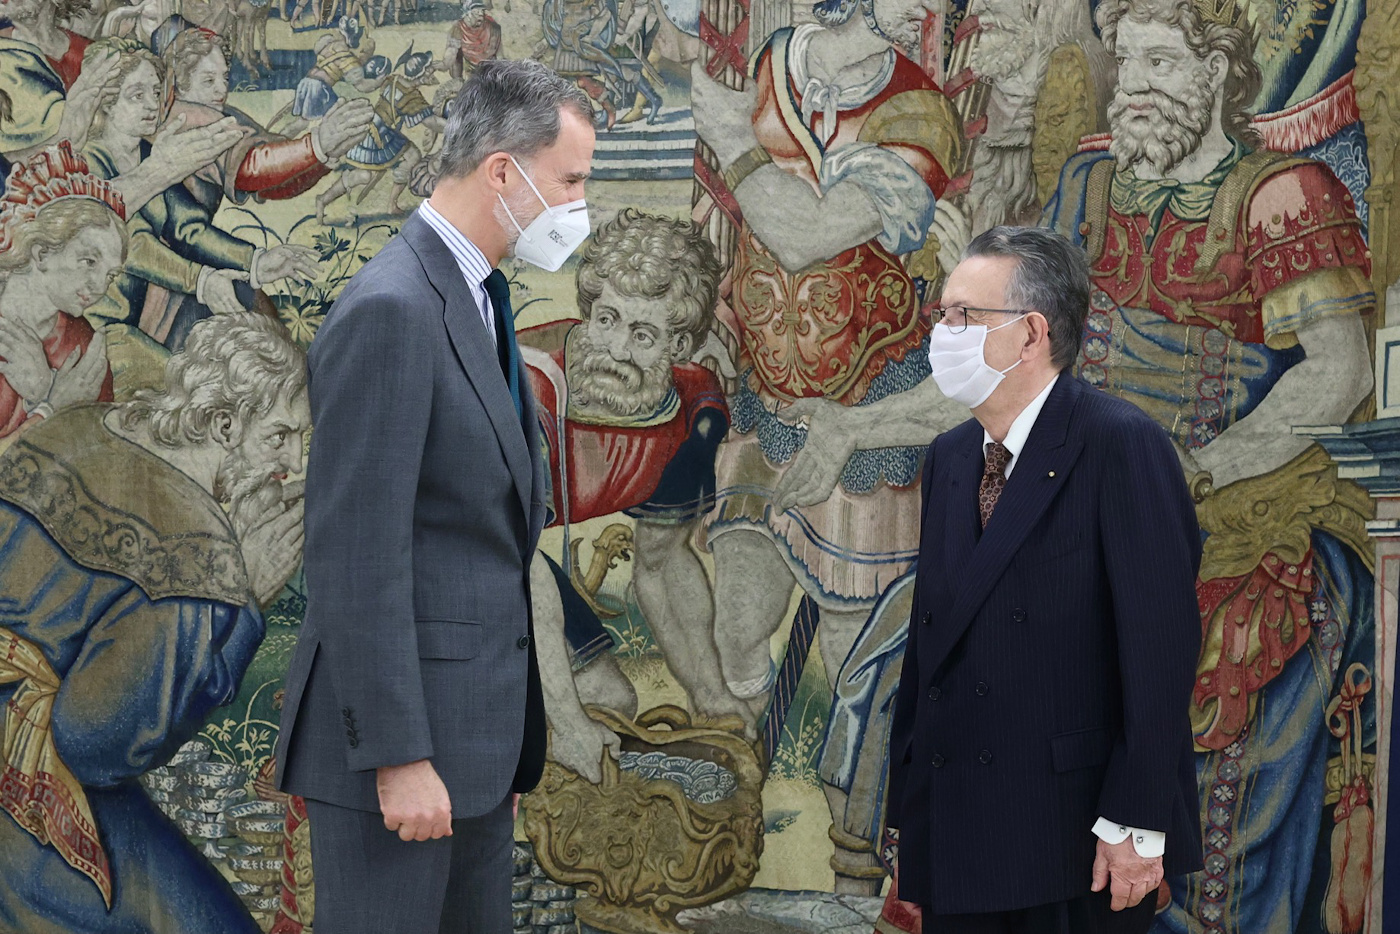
(1152,551)
(371,397)
(907,696)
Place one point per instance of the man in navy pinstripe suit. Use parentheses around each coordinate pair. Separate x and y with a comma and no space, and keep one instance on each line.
(1041,775)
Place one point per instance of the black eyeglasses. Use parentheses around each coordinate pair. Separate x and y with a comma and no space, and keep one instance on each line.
(958,317)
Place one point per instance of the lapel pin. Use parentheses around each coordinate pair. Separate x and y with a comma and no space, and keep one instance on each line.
(1052,473)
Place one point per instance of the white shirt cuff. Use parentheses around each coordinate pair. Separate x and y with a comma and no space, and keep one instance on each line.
(1149,844)
(204,273)
(253,269)
(316,149)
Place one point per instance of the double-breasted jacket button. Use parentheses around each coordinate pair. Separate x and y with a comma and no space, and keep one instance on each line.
(928,618)
(985,757)
(934,692)
(523,642)
(1018,615)
(981,689)
(938,761)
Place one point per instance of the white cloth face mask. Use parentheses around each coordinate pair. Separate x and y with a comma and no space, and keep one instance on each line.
(959,367)
(553,236)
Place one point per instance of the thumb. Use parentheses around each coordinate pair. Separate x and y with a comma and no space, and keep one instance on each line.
(799,409)
(1100,873)
(614,744)
(172,126)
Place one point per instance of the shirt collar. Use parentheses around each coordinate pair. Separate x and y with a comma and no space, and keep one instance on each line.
(470,260)
(1021,428)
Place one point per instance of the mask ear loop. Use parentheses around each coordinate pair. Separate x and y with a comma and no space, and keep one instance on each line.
(528,182)
(515,223)
(510,213)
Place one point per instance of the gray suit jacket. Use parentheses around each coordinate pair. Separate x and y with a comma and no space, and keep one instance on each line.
(424,503)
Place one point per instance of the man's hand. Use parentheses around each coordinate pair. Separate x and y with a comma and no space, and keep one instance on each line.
(816,469)
(723,117)
(84,96)
(579,747)
(179,153)
(288,259)
(271,551)
(81,377)
(954,232)
(1128,876)
(344,126)
(414,801)
(219,294)
(24,364)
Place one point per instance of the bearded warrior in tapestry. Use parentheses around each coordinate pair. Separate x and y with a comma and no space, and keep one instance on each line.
(1230,302)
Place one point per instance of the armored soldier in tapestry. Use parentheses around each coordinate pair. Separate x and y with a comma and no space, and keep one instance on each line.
(733,392)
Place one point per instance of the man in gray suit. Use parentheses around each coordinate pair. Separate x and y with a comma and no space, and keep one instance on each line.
(413,710)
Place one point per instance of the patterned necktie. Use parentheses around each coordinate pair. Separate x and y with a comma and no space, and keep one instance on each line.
(993,479)
(506,349)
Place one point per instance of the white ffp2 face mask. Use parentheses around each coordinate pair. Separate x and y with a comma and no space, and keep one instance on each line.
(553,236)
(959,367)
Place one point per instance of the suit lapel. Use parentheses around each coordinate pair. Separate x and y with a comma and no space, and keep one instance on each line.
(1036,478)
(961,517)
(476,352)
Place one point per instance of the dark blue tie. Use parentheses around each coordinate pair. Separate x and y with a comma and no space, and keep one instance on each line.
(506,349)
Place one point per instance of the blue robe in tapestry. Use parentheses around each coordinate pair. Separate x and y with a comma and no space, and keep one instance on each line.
(128,577)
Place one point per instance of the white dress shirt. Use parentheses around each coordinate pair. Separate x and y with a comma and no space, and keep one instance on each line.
(470,260)
(1149,844)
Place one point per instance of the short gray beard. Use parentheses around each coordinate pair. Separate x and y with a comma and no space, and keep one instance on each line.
(624,389)
(251,495)
(519,203)
(1174,128)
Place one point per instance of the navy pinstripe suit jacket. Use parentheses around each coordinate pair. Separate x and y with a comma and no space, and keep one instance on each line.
(1050,661)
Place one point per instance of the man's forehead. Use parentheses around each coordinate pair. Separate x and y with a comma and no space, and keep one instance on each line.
(636,307)
(1135,33)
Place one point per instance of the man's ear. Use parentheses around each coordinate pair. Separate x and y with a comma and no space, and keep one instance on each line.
(1037,330)
(1218,67)
(682,346)
(494,170)
(221,428)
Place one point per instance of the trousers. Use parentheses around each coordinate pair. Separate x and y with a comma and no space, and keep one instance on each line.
(368,881)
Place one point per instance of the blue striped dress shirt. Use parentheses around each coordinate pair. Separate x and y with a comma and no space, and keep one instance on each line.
(470,260)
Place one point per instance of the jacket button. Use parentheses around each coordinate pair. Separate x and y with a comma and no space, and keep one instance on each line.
(928,618)
(934,692)
(523,642)
(937,761)
(1018,615)
(354,742)
(985,757)
(346,712)
(981,689)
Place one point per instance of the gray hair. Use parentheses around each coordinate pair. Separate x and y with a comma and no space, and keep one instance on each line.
(1051,277)
(238,365)
(507,106)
